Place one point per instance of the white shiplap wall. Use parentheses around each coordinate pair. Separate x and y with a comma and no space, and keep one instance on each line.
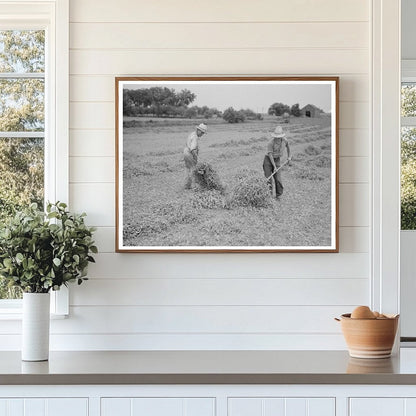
(218,301)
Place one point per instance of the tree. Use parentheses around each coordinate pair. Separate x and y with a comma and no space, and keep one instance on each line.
(233,116)
(278,109)
(295,110)
(408,105)
(408,195)
(185,97)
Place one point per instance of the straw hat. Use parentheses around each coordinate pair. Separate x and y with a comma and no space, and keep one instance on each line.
(278,132)
(202,127)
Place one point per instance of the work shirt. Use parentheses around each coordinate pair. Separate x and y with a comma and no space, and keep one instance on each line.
(276,146)
(192,141)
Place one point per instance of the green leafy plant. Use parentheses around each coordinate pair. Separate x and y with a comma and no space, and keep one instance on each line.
(43,251)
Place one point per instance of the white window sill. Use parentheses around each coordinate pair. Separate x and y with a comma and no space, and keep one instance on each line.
(13,315)
(11,309)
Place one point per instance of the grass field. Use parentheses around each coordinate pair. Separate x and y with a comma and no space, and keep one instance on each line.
(158,211)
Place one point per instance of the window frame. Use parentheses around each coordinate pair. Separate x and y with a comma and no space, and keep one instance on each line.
(53,17)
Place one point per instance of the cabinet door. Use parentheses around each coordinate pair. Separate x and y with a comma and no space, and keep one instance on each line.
(44,407)
(160,406)
(269,406)
(377,407)
(382,406)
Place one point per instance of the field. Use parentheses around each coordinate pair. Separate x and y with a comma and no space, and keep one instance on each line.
(158,211)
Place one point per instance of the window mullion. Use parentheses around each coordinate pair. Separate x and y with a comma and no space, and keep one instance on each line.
(22,134)
(22,75)
(408,121)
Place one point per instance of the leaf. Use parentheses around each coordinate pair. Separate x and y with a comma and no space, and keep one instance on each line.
(56,262)
(94,249)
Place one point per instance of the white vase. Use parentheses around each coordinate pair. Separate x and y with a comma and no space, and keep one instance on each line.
(35,326)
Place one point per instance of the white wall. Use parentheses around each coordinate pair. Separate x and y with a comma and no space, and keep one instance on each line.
(218,301)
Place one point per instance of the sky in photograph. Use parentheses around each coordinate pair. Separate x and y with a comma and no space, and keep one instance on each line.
(257,97)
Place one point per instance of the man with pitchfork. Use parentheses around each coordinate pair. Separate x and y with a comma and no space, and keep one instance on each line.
(272,163)
(190,153)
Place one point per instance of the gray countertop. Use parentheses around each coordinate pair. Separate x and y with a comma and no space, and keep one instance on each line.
(207,367)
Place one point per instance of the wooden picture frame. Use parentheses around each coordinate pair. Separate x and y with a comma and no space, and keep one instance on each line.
(193,155)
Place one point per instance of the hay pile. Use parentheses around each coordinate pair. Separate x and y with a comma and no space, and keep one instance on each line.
(208,199)
(250,189)
(207,177)
(312,150)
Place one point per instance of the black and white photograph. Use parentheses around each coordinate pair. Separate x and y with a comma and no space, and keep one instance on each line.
(227,164)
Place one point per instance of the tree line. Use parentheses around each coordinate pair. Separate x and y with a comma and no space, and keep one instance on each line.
(166,102)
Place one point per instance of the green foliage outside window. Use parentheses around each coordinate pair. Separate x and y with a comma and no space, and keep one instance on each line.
(21,110)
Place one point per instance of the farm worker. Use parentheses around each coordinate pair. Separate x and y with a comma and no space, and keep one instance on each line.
(273,159)
(190,153)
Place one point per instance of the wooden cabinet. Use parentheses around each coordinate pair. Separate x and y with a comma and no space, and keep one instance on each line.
(281,407)
(44,407)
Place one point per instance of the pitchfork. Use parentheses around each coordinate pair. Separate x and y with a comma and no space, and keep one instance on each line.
(277,169)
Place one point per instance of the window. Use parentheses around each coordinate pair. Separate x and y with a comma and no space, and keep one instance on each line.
(408,154)
(22,124)
(33,112)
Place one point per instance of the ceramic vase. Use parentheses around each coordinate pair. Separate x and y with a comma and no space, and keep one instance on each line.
(35,326)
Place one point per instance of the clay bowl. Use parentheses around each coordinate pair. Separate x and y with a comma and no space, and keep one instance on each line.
(369,338)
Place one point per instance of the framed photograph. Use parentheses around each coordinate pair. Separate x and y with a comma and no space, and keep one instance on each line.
(227,164)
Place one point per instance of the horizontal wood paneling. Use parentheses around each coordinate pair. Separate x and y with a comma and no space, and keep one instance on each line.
(96,199)
(354,170)
(352,239)
(288,297)
(104,238)
(354,208)
(218,35)
(354,115)
(94,143)
(205,266)
(88,169)
(219,62)
(218,11)
(354,142)
(98,88)
(220,291)
(202,319)
(194,320)
(92,115)
(146,342)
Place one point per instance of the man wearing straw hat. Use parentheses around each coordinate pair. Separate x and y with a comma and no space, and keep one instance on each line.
(190,153)
(272,163)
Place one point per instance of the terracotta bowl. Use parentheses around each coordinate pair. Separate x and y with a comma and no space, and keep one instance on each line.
(369,338)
